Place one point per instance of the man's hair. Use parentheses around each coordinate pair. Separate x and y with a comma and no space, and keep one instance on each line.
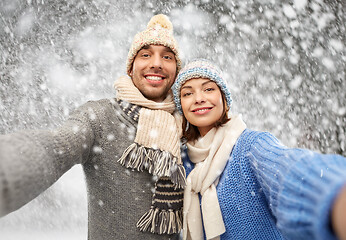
(191,132)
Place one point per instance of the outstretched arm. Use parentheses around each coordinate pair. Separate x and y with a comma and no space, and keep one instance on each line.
(300,185)
(31,161)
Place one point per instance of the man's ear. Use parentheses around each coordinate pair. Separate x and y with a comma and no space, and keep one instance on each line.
(131,72)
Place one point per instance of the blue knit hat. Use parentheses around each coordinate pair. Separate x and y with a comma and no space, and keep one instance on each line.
(200,68)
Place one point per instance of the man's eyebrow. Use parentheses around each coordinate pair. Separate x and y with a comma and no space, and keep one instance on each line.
(145,47)
(167,49)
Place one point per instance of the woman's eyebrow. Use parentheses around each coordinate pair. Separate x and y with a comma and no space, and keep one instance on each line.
(186,87)
(208,81)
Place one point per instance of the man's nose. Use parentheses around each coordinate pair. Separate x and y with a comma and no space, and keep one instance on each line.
(156,62)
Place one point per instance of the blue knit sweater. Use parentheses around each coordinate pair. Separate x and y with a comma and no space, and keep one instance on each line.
(269,191)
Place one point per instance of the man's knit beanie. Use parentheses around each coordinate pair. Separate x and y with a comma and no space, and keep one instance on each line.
(200,68)
(159,32)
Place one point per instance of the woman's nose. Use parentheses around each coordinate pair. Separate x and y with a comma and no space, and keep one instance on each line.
(199,97)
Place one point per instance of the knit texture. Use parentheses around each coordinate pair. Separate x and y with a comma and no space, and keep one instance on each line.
(95,136)
(159,31)
(157,135)
(200,68)
(269,191)
(211,152)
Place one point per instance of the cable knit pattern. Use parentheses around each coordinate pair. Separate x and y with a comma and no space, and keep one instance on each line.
(95,136)
(269,191)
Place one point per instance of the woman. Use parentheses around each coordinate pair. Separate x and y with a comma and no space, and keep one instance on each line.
(244,184)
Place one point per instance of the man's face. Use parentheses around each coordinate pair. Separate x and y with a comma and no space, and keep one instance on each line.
(153,72)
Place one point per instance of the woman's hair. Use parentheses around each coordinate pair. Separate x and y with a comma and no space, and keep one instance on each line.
(191,132)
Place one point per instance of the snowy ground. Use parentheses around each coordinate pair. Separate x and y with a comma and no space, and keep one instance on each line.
(33,235)
(59,213)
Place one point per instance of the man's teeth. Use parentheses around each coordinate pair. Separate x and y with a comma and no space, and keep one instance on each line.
(154,78)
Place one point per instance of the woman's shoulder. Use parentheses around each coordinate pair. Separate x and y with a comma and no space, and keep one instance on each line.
(249,137)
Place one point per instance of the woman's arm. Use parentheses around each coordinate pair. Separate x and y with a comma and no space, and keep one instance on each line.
(300,186)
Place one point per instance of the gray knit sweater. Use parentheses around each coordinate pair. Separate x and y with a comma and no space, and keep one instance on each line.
(95,135)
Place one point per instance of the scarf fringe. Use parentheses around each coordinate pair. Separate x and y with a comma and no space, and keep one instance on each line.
(157,162)
(161,221)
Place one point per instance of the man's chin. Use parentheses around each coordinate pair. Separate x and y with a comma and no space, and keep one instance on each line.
(156,97)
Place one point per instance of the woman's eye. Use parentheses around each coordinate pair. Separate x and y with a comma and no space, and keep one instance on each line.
(186,94)
(209,89)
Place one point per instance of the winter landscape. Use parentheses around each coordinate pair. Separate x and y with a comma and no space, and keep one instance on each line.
(284,61)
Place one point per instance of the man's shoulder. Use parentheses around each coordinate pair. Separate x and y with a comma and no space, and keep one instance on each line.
(98,105)
(95,108)
(101,102)
(104,110)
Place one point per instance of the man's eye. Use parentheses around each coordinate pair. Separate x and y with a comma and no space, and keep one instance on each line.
(145,55)
(167,57)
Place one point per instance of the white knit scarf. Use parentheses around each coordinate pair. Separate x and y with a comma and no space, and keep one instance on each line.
(210,155)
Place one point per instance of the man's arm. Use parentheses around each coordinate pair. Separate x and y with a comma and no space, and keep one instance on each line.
(31,161)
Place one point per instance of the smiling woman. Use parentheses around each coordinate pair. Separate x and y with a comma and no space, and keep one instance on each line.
(249,185)
(202,103)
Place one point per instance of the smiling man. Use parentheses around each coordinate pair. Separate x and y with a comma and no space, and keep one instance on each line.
(154,70)
(135,130)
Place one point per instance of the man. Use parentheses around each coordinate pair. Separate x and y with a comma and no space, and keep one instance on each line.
(136,130)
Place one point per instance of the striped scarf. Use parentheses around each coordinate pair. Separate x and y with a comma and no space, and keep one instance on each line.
(156,148)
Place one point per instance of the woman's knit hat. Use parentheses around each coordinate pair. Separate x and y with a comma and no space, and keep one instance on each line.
(159,32)
(200,68)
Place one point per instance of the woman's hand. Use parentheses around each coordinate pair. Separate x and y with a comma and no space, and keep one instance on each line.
(339,215)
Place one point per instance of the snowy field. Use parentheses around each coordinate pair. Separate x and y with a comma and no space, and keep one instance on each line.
(32,235)
(59,213)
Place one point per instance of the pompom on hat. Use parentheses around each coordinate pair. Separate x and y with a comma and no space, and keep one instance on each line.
(200,68)
(159,32)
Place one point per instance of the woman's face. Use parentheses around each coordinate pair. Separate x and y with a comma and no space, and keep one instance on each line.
(202,105)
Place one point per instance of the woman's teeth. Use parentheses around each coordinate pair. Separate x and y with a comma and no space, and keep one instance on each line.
(202,110)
